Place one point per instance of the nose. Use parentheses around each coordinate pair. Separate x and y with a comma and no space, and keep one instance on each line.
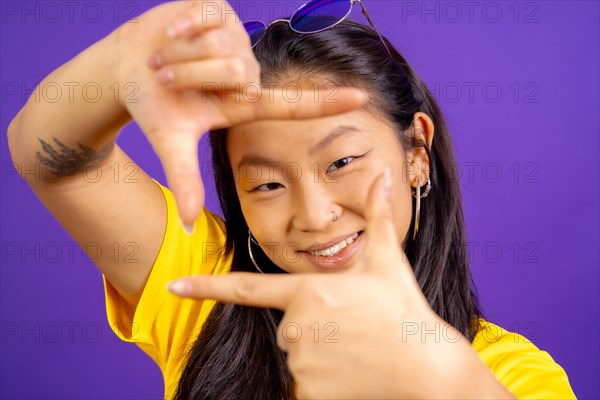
(313,207)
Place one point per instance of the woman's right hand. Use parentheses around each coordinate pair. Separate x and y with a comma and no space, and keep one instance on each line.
(212,53)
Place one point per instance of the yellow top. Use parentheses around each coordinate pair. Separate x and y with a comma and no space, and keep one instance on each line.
(165,326)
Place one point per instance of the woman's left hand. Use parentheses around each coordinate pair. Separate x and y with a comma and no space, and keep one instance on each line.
(367,332)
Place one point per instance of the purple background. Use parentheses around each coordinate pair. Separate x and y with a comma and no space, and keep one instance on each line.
(528,157)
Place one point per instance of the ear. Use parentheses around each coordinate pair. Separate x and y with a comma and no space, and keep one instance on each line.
(418,162)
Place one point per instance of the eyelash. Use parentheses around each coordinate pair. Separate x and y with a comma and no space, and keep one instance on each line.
(351,158)
(257,189)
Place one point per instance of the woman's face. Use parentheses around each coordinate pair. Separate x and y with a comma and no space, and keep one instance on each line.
(292,176)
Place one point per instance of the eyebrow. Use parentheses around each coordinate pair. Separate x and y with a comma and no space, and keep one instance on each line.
(258,160)
(342,130)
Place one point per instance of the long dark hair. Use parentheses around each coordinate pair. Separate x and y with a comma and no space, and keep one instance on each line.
(236,354)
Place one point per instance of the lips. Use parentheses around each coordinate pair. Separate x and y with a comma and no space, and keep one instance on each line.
(324,245)
(336,248)
(328,256)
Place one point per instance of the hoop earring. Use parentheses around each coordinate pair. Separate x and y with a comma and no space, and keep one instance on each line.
(417,194)
(250,240)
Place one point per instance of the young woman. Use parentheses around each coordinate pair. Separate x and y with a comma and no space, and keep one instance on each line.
(343,220)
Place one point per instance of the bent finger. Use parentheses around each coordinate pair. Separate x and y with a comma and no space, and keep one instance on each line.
(213,43)
(228,73)
(178,153)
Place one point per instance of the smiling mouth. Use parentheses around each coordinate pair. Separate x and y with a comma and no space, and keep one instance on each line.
(336,248)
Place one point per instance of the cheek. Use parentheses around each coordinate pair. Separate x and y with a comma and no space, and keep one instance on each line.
(252,217)
(265,222)
(357,187)
(257,225)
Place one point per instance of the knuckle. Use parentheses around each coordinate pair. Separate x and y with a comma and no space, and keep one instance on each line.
(236,69)
(284,341)
(325,296)
(305,287)
(291,332)
(211,44)
(177,76)
(298,368)
(243,289)
(164,56)
(314,293)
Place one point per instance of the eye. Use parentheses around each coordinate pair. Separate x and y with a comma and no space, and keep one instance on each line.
(267,187)
(342,162)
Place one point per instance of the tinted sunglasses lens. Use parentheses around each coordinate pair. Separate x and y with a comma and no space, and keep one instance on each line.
(255,30)
(318,15)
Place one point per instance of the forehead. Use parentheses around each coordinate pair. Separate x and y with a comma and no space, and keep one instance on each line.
(300,136)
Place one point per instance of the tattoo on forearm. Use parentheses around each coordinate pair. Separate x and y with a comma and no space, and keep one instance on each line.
(66,161)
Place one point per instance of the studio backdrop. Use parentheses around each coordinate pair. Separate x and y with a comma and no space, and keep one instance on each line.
(518,83)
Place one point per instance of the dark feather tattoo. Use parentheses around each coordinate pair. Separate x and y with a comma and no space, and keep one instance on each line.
(65,161)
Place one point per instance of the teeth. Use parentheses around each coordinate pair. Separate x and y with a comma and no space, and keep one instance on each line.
(333,250)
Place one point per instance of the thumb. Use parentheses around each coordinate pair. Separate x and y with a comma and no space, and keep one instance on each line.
(381,233)
(178,153)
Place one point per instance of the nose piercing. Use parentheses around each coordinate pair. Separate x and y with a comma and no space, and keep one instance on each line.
(335,217)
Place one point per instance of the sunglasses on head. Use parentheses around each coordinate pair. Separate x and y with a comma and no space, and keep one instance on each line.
(312,17)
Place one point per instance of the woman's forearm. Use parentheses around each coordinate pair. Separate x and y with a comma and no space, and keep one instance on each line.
(81,106)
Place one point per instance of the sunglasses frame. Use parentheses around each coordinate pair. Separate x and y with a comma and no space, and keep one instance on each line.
(352,2)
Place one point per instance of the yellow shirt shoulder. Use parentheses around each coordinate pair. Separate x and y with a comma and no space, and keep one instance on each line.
(166,326)
(524,369)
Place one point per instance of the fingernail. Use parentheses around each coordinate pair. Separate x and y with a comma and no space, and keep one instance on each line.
(155,61)
(188,228)
(178,26)
(364,96)
(181,287)
(166,76)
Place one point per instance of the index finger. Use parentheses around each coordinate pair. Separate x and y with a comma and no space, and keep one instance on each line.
(243,288)
(279,104)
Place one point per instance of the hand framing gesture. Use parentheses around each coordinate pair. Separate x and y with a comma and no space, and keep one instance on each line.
(367,332)
(196,71)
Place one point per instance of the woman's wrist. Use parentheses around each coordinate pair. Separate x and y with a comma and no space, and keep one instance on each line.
(476,380)
(486,387)
(115,70)
(456,371)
